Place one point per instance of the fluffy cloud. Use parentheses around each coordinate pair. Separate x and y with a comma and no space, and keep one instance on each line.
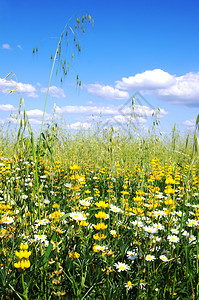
(124,110)
(185,91)
(148,80)
(7,86)
(74,109)
(181,90)
(6,46)
(54,92)
(125,119)
(35,113)
(79,125)
(7,107)
(107,92)
(190,123)
(34,121)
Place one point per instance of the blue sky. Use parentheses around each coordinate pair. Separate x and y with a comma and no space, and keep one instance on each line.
(148,47)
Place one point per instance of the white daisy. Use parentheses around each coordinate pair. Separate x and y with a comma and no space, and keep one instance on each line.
(77,216)
(129,285)
(163,258)
(132,255)
(84,202)
(121,267)
(173,238)
(115,208)
(150,257)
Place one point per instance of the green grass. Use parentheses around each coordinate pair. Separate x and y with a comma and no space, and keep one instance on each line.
(97,214)
(115,169)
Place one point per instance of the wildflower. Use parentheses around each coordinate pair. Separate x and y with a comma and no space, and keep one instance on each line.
(159,226)
(68,185)
(121,267)
(99,237)
(84,202)
(138,223)
(40,237)
(56,205)
(132,255)
(100,226)
(7,220)
(192,238)
(150,229)
(102,204)
(115,209)
(113,233)
(102,215)
(77,216)
(42,222)
(97,248)
(163,258)
(75,167)
(150,257)
(110,252)
(56,215)
(169,190)
(74,255)
(192,223)
(84,223)
(175,231)
(173,238)
(23,257)
(128,285)
(185,233)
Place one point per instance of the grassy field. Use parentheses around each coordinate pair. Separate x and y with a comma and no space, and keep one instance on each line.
(98,216)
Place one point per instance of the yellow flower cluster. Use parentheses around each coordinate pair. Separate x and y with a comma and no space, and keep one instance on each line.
(75,167)
(74,255)
(102,204)
(101,215)
(23,257)
(100,226)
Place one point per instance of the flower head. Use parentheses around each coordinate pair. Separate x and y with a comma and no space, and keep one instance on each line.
(128,285)
(150,257)
(77,216)
(121,267)
(132,255)
(163,258)
(173,238)
(102,215)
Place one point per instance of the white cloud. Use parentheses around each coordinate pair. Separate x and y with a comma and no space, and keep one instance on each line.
(35,113)
(79,125)
(19,47)
(6,46)
(7,107)
(75,109)
(190,123)
(7,86)
(142,110)
(181,90)
(185,91)
(106,92)
(124,110)
(34,121)
(148,80)
(125,119)
(54,92)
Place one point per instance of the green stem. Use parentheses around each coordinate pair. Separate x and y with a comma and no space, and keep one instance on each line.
(25,290)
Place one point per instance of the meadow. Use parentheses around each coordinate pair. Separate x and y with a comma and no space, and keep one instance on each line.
(98,216)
